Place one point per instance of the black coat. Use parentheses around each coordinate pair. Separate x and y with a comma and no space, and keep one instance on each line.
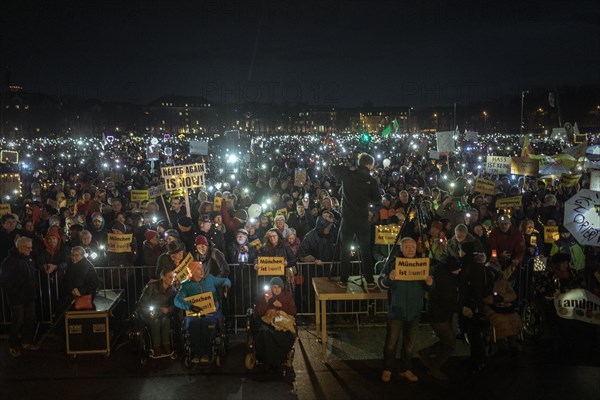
(444,297)
(81,276)
(19,278)
(359,189)
(317,245)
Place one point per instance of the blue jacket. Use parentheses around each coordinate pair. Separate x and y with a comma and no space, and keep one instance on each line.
(189,287)
(406,296)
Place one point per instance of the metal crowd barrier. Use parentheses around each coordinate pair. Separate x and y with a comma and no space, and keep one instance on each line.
(246,286)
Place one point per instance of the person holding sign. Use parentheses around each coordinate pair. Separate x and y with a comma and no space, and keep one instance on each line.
(273,342)
(213,261)
(197,326)
(509,246)
(276,246)
(403,313)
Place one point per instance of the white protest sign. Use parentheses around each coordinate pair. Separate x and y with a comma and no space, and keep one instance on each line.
(498,165)
(578,304)
(595,181)
(198,147)
(156,191)
(445,141)
(183,176)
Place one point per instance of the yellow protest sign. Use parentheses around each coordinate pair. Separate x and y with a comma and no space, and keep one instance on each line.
(524,166)
(256,243)
(412,269)
(271,266)
(569,180)
(4,209)
(139,195)
(509,202)
(9,156)
(551,234)
(218,200)
(282,211)
(485,186)
(386,234)
(205,301)
(181,272)
(119,242)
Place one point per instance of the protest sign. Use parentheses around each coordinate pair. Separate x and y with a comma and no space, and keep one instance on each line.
(139,195)
(271,266)
(4,209)
(434,155)
(217,202)
(181,271)
(282,211)
(183,176)
(578,304)
(412,269)
(595,181)
(485,186)
(551,234)
(509,202)
(524,166)
(119,242)
(205,301)
(497,165)
(156,191)
(9,156)
(386,234)
(198,147)
(569,180)
(10,185)
(445,141)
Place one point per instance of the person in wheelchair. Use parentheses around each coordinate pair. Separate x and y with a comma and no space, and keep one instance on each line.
(499,309)
(198,324)
(155,308)
(273,325)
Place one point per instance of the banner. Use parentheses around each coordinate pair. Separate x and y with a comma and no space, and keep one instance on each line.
(4,209)
(271,266)
(10,185)
(299,177)
(497,165)
(578,304)
(182,272)
(412,269)
(509,202)
(9,156)
(198,147)
(119,242)
(569,180)
(183,176)
(205,301)
(386,234)
(595,181)
(445,141)
(485,186)
(551,234)
(139,195)
(156,191)
(524,166)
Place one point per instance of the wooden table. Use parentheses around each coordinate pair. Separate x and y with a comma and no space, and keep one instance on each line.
(327,289)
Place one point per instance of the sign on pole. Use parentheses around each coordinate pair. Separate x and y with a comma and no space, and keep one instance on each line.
(497,165)
(524,166)
(183,176)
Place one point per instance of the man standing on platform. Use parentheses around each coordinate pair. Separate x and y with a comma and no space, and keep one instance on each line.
(359,189)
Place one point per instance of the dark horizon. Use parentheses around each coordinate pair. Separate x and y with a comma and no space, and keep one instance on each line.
(343,54)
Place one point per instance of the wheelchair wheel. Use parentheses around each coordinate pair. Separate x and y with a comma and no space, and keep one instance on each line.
(144,346)
(249,361)
(533,320)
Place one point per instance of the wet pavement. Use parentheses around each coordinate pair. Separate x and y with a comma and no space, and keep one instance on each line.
(352,371)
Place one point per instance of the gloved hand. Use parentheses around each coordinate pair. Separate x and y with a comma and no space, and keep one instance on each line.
(195,309)
(498,298)
(467,312)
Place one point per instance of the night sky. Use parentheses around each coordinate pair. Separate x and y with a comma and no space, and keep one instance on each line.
(340,53)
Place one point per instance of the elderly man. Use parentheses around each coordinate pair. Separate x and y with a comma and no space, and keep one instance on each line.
(462,235)
(18,278)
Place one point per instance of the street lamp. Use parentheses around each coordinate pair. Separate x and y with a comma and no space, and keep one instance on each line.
(523,93)
(485,117)
(436,121)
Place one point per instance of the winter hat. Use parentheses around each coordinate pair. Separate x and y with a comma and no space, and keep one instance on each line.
(242,215)
(201,239)
(119,226)
(277,281)
(175,247)
(185,222)
(150,234)
(242,230)
(204,218)
(97,216)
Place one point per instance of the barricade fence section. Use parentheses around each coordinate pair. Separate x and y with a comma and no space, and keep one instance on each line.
(247,285)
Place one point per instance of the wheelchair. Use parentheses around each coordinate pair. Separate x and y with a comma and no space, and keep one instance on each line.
(251,361)
(140,333)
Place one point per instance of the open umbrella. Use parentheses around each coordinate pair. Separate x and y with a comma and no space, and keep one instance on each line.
(582,218)
(553,169)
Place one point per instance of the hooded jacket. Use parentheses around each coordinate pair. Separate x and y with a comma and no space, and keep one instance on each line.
(316,245)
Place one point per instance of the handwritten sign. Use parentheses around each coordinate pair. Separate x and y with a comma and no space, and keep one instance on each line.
(595,180)
(217,203)
(205,301)
(510,202)
(386,234)
(139,195)
(271,266)
(412,269)
(119,242)
(485,186)
(569,180)
(299,177)
(156,191)
(524,166)
(445,141)
(497,165)
(183,176)
(4,209)
(181,271)
(551,234)
(199,147)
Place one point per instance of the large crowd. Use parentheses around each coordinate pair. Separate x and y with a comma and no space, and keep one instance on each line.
(279,196)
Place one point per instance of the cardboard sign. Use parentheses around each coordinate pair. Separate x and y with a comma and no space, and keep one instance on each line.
(139,195)
(4,209)
(198,147)
(569,180)
(412,269)
(256,243)
(551,234)
(205,301)
(578,304)
(299,177)
(156,191)
(183,176)
(9,156)
(181,271)
(119,242)
(271,266)
(497,165)
(595,181)
(510,202)
(152,153)
(10,185)
(386,234)
(524,166)
(485,186)
(445,141)
(217,202)
(434,155)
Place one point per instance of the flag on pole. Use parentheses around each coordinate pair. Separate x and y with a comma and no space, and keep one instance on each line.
(396,125)
(527,148)
(551,99)
(386,132)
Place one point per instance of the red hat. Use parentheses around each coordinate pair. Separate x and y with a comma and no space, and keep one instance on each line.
(150,234)
(201,239)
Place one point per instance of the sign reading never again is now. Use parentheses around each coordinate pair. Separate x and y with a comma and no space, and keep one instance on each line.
(183,176)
